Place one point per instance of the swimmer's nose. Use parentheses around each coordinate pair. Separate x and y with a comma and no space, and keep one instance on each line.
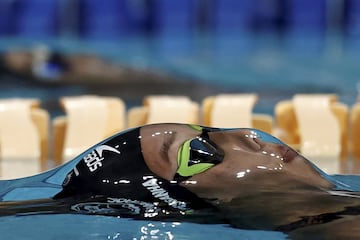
(286,152)
(290,155)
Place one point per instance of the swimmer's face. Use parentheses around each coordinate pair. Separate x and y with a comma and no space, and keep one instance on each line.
(251,160)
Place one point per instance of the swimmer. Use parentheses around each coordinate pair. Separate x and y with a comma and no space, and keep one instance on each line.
(243,177)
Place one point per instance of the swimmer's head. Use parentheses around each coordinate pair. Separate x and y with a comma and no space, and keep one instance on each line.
(215,162)
(210,162)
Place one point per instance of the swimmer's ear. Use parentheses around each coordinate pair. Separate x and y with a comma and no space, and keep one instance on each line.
(196,156)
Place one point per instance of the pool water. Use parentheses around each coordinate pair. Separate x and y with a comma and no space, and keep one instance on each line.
(78,226)
(274,67)
(73,226)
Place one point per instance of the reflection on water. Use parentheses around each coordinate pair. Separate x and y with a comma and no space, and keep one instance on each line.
(353,166)
(82,227)
(332,165)
(350,165)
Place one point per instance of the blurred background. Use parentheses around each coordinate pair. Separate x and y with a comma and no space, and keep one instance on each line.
(131,48)
(196,48)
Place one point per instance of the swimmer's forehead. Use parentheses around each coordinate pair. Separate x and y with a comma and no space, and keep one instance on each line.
(250,132)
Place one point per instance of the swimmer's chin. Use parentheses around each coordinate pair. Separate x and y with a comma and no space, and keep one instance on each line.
(306,172)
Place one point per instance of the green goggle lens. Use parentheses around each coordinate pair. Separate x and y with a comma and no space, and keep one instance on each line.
(196,156)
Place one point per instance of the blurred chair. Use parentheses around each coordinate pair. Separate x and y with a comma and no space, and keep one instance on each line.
(164,109)
(306,21)
(24,133)
(234,111)
(6,16)
(37,18)
(269,15)
(315,124)
(230,22)
(108,19)
(355,129)
(352,24)
(306,15)
(174,23)
(174,16)
(88,120)
(232,15)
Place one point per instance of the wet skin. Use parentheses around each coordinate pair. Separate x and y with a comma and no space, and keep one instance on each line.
(260,183)
(247,157)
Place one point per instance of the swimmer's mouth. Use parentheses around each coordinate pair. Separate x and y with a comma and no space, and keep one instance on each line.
(288,154)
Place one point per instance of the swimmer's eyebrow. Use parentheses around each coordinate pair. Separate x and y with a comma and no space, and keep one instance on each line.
(168,141)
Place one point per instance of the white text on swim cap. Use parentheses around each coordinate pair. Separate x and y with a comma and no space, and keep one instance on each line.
(94,159)
(160,193)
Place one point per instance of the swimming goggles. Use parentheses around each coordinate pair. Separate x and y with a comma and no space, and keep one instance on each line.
(196,156)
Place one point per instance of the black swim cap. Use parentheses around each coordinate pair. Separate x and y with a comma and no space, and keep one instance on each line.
(116,168)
